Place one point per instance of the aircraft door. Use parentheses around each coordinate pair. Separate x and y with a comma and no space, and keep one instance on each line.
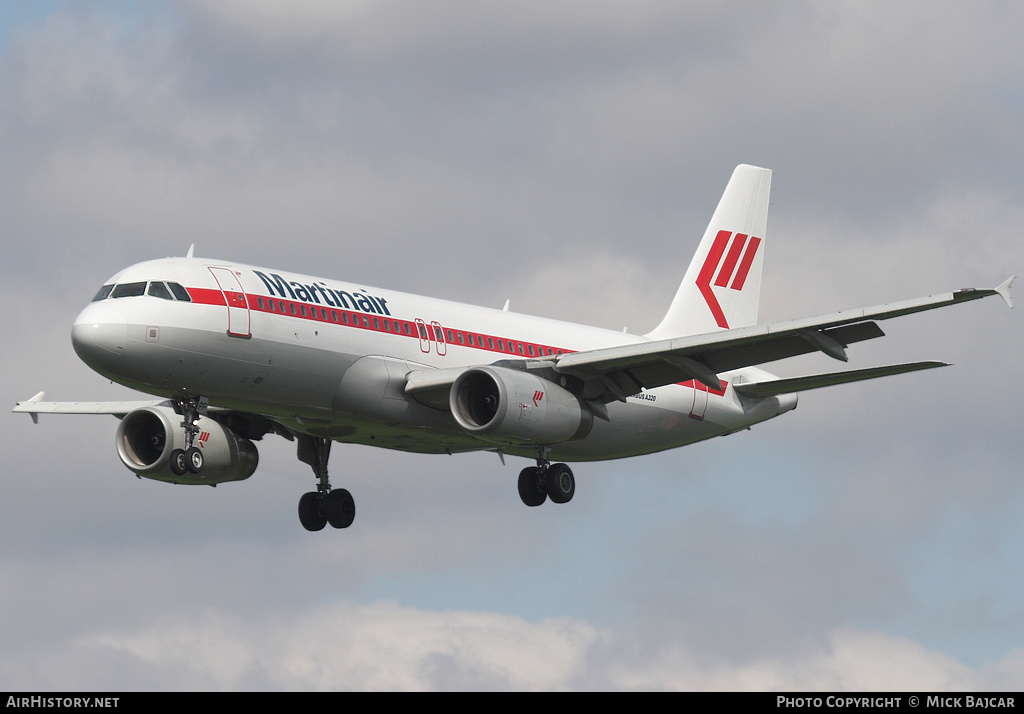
(421,330)
(440,343)
(236,300)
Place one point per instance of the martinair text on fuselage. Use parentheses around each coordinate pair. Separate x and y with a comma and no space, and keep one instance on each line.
(312,293)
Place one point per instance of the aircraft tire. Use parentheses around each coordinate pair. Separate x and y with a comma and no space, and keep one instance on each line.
(194,459)
(179,464)
(529,487)
(340,508)
(559,483)
(310,514)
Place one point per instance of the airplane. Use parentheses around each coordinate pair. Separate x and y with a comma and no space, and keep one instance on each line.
(236,352)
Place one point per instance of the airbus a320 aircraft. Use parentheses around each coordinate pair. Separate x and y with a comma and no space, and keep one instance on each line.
(237,352)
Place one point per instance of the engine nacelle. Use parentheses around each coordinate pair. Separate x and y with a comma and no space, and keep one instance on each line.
(147,436)
(510,406)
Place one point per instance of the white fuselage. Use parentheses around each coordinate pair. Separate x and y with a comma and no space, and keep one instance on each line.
(329,359)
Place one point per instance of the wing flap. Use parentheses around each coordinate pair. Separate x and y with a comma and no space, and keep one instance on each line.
(801,384)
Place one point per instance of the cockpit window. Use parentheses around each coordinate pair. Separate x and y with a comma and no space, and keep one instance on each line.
(179,292)
(159,290)
(128,290)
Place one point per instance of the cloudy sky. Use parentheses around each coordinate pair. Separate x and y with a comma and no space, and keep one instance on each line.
(566,156)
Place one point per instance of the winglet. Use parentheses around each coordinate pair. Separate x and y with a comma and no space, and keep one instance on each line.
(1004,291)
(191,250)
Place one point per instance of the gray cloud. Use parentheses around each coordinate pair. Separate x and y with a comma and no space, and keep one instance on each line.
(565,156)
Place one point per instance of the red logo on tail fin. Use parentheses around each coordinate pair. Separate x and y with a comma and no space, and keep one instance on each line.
(741,251)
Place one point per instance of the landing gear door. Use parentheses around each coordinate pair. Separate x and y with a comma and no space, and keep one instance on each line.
(700,401)
(235,299)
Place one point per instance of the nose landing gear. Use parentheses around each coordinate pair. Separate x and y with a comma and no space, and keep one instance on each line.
(189,459)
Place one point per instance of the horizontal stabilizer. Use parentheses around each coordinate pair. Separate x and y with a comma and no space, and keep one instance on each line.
(801,384)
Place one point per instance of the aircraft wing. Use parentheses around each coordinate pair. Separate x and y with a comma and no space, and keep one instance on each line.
(624,369)
(36,406)
(613,373)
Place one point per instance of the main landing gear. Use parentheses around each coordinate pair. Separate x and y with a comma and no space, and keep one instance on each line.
(189,459)
(546,480)
(323,506)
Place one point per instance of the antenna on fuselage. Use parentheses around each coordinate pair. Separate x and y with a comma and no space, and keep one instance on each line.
(191,248)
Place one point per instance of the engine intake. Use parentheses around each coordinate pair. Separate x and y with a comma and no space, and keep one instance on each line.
(510,406)
(147,436)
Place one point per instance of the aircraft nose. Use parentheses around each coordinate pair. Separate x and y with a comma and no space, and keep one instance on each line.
(99,336)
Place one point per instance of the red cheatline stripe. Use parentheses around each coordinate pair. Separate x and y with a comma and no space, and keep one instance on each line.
(208,296)
(730,260)
(748,259)
(377,323)
(701,387)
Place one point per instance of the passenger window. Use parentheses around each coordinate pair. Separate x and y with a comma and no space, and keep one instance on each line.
(103,293)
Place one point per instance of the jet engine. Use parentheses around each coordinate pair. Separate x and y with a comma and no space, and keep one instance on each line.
(147,436)
(510,406)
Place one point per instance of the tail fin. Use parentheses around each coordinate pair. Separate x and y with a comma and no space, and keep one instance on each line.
(723,283)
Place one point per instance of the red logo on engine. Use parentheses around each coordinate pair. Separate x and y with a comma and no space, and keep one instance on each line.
(537,396)
(729,271)
(204,437)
